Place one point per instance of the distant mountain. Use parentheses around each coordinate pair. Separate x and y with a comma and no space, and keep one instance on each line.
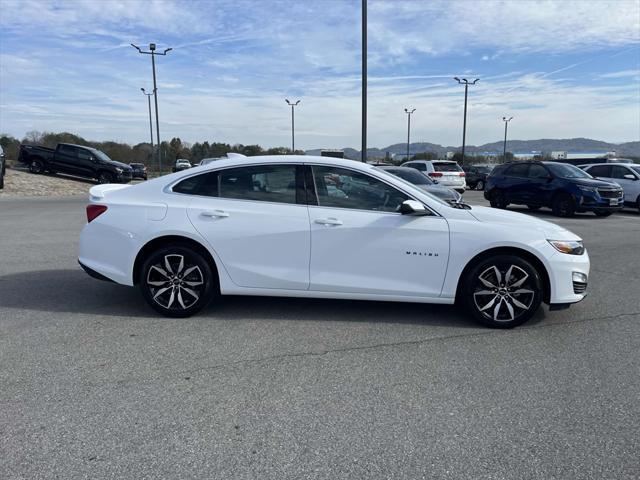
(574,145)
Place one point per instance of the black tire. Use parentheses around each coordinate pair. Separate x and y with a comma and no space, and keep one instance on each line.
(172,293)
(480,185)
(533,207)
(498,200)
(563,205)
(36,166)
(492,301)
(105,177)
(602,213)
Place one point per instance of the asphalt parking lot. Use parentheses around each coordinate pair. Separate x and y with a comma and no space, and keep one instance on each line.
(94,385)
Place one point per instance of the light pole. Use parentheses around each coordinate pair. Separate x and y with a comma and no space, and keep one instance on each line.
(504,149)
(149,95)
(153,53)
(293,138)
(466,84)
(364,81)
(408,112)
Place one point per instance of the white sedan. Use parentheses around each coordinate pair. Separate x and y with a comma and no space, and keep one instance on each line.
(302,226)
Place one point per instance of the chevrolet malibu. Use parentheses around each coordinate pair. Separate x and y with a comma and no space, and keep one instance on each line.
(302,226)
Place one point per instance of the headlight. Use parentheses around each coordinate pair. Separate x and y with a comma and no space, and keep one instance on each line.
(588,189)
(119,170)
(571,247)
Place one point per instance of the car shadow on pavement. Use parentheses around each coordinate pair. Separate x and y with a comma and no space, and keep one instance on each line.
(71,291)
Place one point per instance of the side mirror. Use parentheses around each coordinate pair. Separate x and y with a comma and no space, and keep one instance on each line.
(629,176)
(413,207)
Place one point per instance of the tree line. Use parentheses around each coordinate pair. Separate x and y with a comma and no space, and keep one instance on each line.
(141,152)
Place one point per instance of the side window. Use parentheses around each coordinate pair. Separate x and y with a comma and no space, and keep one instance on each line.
(68,150)
(420,166)
(84,154)
(343,188)
(518,170)
(537,171)
(205,184)
(619,172)
(263,183)
(600,171)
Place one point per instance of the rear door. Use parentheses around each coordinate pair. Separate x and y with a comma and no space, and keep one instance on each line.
(65,159)
(515,182)
(361,244)
(256,219)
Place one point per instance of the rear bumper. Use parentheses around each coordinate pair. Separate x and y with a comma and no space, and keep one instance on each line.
(92,273)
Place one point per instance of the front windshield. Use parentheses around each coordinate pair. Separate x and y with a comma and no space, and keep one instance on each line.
(410,175)
(564,170)
(423,192)
(100,155)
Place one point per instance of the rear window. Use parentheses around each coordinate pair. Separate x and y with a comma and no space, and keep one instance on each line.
(205,184)
(446,167)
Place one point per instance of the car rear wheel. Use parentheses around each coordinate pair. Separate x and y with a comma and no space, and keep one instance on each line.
(498,200)
(36,166)
(563,206)
(503,291)
(105,177)
(480,185)
(177,281)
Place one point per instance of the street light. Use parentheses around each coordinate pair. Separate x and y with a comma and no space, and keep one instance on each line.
(153,53)
(149,95)
(408,112)
(364,81)
(466,84)
(293,138)
(504,150)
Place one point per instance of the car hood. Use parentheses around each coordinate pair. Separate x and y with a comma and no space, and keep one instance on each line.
(551,231)
(440,191)
(593,182)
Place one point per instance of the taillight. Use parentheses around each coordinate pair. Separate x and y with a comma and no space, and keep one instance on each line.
(94,211)
(435,174)
(462,174)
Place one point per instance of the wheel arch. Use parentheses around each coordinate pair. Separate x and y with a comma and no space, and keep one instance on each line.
(169,240)
(525,254)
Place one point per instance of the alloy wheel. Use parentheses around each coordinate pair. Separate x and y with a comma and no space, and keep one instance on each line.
(504,295)
(175,283)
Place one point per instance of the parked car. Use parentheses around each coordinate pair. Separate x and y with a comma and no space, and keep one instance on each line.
(476,175)
(446,172)
(138,170)
(424,183)
(270,225)
(627,175)
(181,164)
(560,186)
(75,160)
(3,167)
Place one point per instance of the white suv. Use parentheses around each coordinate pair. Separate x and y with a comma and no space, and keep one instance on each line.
(627,175)
(445,172)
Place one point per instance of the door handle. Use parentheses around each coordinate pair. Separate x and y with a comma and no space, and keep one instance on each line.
(215,213)
(328,221)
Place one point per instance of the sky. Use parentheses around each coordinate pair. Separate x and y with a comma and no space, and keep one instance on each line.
(562,69)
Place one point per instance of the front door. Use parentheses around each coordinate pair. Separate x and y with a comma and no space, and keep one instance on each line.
(257,223)
(360,244)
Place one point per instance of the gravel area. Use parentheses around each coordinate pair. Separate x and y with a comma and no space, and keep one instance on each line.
(21,183)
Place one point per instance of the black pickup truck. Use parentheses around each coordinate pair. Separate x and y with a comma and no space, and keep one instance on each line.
(75,160)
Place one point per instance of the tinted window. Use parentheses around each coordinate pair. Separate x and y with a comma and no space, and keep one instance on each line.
(263,183)
(565,170)
(342,188)
(447,167)
(410,176)
(619,172)
(418,166)
(205,184)
(537,171)
(518,170)
(636,169)
(600,171)
(68,150)
(83,154)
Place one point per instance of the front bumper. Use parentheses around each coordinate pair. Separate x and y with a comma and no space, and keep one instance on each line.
(595,202)
(564,288)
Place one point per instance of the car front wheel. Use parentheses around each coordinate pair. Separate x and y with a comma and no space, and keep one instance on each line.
(177,281)
(503,291)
